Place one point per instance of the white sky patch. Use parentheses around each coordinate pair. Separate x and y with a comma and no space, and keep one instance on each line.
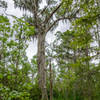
(12,10)
(32,49)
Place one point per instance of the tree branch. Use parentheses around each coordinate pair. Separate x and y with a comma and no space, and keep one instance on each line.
(48,3)
(43,10)
(49,17)
(9,14)
(59,19)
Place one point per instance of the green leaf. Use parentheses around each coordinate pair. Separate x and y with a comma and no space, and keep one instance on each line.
(1,76)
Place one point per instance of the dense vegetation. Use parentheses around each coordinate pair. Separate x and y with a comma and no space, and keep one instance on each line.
(68,68)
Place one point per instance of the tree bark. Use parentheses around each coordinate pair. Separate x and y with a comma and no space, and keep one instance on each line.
(42,66)
(51,82)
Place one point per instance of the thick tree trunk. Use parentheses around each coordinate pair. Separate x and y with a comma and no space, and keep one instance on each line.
(42,66)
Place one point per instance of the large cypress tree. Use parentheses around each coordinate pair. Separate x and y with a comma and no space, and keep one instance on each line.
(45,19)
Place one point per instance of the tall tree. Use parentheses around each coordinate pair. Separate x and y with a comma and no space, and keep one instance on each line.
(44,20)
(75,54)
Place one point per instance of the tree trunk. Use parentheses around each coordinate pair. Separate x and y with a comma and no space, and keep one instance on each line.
(42,66)
(51,82)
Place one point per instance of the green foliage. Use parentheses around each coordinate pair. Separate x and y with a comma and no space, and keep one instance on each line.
(75,55)
(14,65)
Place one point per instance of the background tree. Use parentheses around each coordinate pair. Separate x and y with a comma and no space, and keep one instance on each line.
(75,56)
(14,66)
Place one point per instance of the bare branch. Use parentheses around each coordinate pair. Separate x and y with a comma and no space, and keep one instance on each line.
(9,14)
(59,19)
(48,3)
(48,18)
(43,10)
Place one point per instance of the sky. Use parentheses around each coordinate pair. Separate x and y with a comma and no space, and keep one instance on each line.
(32,49)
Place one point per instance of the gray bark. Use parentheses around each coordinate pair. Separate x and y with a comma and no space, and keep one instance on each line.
(51,82)
(42,66)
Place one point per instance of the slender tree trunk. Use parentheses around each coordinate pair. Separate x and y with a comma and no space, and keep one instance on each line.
(51,82)
(89,76)
(75,85)
(42,66)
